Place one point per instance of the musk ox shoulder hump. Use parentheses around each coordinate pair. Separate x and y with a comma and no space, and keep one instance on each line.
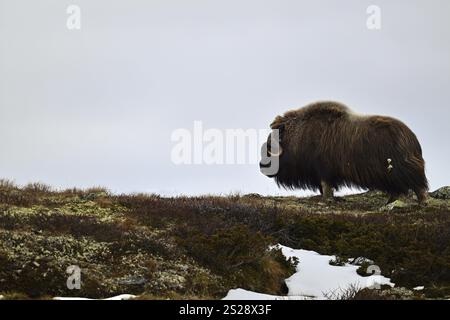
(325,110)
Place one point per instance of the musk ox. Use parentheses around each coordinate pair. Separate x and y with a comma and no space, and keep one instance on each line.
(324,146)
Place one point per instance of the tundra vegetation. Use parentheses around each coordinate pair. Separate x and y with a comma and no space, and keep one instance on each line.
(200,247)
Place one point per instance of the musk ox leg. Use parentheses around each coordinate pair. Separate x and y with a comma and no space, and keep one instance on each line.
(422,196)
(327,190)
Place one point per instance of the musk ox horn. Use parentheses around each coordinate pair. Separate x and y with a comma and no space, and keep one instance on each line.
(276,154)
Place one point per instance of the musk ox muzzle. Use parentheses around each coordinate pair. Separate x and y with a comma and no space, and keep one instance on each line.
(325,146)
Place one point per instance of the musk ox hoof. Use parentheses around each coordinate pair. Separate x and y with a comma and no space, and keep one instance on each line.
(424,203)
(331,200)
(423,200)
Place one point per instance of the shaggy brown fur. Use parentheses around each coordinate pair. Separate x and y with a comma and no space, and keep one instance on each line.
(326,145)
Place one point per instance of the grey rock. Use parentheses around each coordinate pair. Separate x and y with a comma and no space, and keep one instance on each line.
(441,193)
(360,260)
(132,281)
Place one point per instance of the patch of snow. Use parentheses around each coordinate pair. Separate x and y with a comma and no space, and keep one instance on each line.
(242,294)
(419,288)
(119,297)
(122,297)
(314,278)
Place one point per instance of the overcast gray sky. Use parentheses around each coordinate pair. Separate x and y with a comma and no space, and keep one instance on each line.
(97,106)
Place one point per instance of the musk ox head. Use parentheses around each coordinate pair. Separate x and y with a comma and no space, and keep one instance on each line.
(324,146)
